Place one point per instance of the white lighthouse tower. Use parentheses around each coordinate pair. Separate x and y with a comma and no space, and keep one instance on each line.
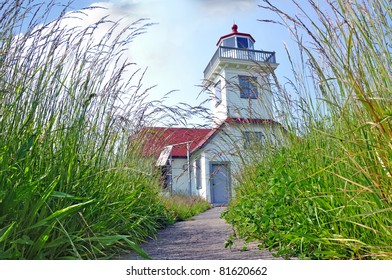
(238,78)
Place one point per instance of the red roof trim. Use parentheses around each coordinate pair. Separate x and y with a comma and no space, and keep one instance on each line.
(206,138)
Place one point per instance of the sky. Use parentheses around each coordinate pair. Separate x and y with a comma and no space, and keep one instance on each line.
(177,48)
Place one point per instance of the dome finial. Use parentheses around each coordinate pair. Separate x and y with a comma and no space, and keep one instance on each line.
(234,28)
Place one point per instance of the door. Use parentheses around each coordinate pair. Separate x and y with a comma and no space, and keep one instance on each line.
(220,183)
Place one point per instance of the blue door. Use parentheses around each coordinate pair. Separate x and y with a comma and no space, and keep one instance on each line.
(220,183)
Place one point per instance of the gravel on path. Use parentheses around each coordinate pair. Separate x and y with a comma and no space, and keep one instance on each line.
(201,238)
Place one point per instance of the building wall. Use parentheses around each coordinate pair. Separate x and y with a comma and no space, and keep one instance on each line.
(260,108)
(228,146)
(232,105)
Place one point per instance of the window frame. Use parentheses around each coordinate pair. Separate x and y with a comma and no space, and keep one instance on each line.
(248,88)
(229,42)
(252,138)
(233,42)
(239,43)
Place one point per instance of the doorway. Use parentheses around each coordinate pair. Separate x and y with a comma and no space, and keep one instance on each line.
(220,183)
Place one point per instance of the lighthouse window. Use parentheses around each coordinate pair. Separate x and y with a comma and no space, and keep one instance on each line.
(250,45)
(218,93)
(242,43)
(248,87)
(229,42)
(252,138)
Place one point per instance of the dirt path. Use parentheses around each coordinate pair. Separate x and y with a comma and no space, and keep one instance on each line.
(199,239)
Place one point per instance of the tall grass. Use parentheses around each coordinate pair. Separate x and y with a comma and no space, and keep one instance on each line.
(183,207)
(69,99)
(327,194)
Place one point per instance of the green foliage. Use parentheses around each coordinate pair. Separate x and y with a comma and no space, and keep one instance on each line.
(327,194)
(300,205)
(69,189)
(182,207)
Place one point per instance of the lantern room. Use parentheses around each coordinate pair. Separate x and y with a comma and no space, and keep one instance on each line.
(236,40)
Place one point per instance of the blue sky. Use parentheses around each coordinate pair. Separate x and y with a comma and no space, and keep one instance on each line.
(179,46)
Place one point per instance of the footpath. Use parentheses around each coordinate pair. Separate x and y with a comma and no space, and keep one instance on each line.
(202,238)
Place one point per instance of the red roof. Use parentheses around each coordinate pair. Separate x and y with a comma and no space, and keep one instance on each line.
(156,138)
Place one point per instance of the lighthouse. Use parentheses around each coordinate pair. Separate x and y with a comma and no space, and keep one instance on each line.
(238,78)
(203,162)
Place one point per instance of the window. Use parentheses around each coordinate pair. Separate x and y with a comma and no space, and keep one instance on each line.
(218,93)
(229,42)
(238,42)
(198,174)
(250,45)
(252,138)
(248,87)
(242,43)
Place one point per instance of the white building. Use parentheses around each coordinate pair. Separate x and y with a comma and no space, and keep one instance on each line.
(203,161)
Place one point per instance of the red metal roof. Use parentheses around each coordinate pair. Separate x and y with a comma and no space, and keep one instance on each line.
(156,138)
